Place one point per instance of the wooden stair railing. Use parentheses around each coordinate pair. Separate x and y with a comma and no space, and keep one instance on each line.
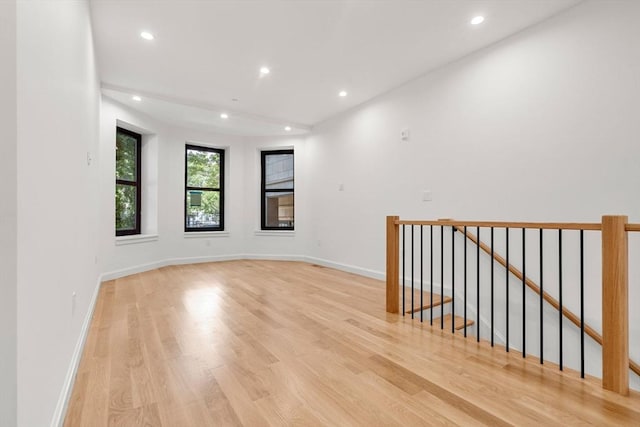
(615,305)
(548,298)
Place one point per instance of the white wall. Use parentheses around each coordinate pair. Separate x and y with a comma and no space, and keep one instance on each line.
(57,202)
(242,198)
(275,243)
(8,214)
(542,126)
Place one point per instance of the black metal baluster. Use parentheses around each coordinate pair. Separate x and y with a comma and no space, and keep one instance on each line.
(404,238)
(465,281)
(431,275)
(541,299)
(524,295)
(478,286)
(421,275)
(507,289)
(441,277)
(412,281)
(582,303)
(560,291)
(492,259)
(453,278)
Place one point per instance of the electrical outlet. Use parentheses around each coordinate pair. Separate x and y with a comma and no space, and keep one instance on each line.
(427,196)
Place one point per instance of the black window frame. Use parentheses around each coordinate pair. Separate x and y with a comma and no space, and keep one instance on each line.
(137,183)
(264,190)
(220,189)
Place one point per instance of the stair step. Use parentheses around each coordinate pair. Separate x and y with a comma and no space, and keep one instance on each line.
(426,300)
(458,322)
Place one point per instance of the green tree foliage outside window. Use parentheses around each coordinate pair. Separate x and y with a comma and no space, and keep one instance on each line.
(128,146)
(204,189)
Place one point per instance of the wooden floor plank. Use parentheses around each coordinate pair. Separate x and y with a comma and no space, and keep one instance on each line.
(414,305)
(257,343)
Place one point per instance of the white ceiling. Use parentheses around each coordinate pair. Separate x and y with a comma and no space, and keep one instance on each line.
(207,52)
(202,117)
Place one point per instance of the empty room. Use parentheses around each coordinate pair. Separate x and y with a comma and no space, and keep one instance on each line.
(319,213)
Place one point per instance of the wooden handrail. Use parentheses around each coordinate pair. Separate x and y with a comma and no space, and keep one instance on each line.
(502,224)
(588,226)
(548,298)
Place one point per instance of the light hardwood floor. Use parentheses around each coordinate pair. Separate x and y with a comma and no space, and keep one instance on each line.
(260,343)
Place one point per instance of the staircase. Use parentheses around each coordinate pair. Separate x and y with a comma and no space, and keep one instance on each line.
(438,305)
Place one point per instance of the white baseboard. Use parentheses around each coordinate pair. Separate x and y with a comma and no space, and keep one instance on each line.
(67,387)
(141,268)
(346,267)
(200,259)
(275,257)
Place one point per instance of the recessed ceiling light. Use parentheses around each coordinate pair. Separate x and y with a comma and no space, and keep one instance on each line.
(136,98)
(342,93)
(477,20)
(147,35)
(287,128)
(264,71)
(224,116)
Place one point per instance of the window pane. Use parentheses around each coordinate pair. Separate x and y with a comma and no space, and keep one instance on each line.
(279,209)
(203,169)
(125,207)
(279,171)
(203,209)
(126,147)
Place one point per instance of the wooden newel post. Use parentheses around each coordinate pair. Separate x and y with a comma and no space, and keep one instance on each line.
(615,305)
(393,263)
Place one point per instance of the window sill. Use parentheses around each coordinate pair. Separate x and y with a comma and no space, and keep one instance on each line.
(205,234)
(136,238)
(279,233)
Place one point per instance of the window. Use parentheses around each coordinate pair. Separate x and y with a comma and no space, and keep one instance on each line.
(128,146)
(277,190)
(204,189)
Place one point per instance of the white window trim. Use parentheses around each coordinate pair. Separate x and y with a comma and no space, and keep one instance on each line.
(205,234)
(136,238)
(283,233)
